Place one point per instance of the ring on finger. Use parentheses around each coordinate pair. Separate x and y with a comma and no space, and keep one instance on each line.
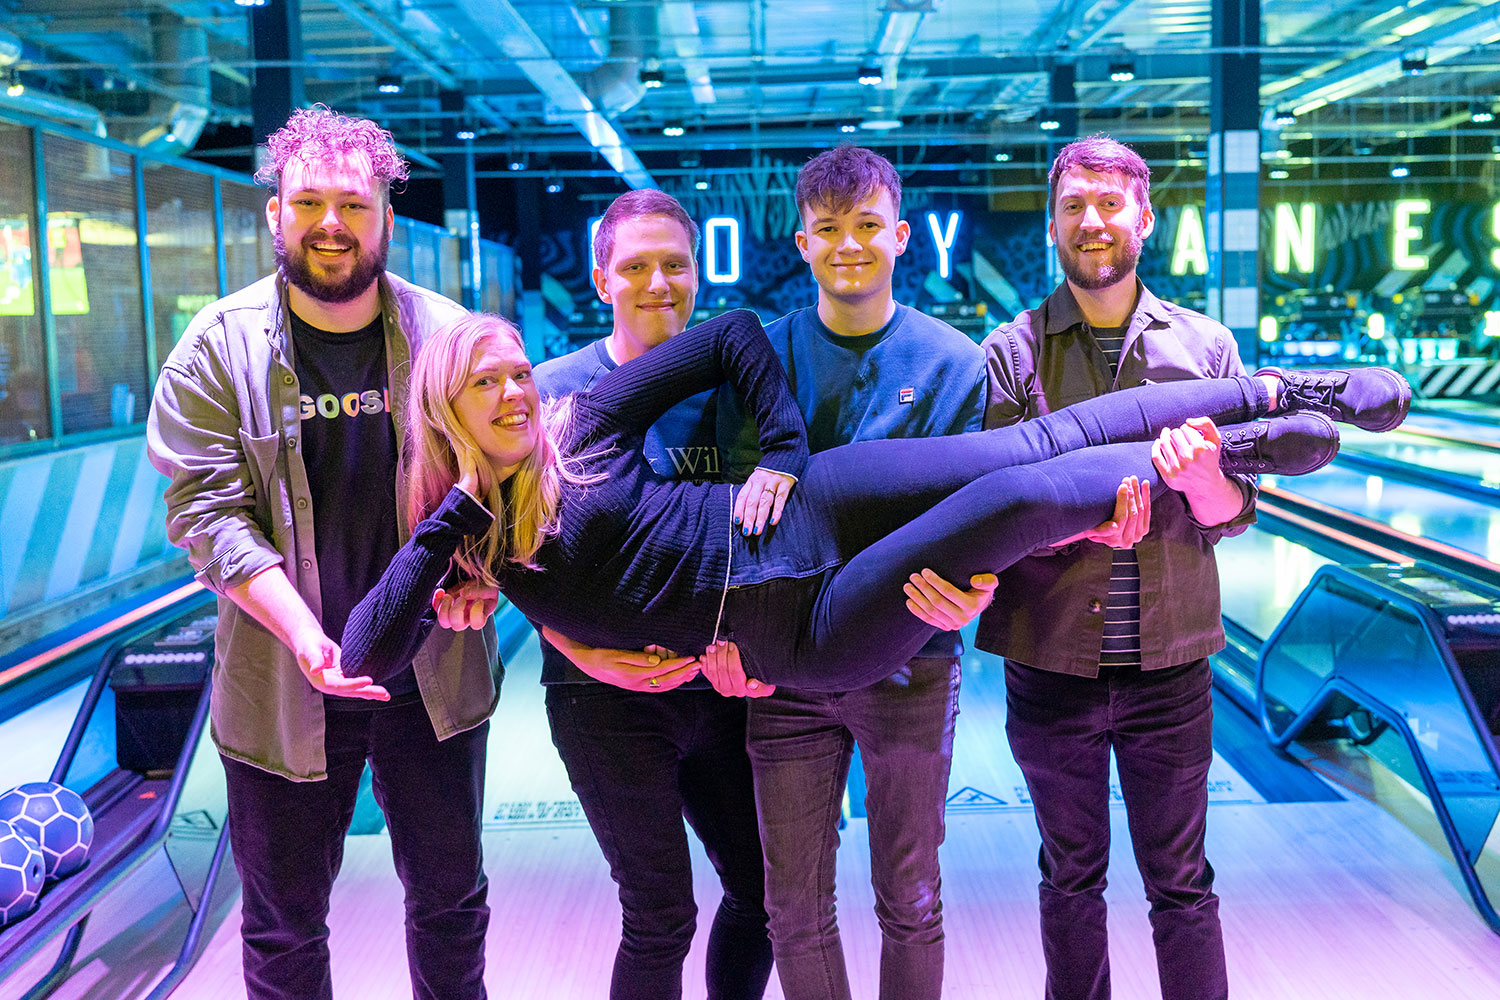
(653,682)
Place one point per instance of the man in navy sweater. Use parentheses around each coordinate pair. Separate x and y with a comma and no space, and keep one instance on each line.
(862,367)
(654,744)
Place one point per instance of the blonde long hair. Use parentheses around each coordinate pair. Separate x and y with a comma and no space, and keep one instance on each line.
(526,504)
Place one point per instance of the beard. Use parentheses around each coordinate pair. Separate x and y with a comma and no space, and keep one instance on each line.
(1123,260)
(294,263)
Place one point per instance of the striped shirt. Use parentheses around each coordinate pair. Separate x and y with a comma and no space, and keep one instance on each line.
(1121,646)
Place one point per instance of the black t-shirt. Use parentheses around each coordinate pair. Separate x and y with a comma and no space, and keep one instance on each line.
(349,447)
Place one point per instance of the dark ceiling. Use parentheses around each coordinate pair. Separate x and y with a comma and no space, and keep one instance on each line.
(593,92)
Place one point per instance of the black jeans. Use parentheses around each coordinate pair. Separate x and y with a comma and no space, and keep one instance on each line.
(801,744)
(288,842)
(639,763)
(965,504)
(1160,726)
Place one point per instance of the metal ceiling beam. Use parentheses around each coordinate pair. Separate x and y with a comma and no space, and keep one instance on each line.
(397,36)
(500,23)
(1315,88)
(679,20)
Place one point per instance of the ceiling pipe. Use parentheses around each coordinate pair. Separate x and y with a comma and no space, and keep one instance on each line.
(42,104)
(10,48)
(62,109)
(566,100)
(615,85)
(182,50)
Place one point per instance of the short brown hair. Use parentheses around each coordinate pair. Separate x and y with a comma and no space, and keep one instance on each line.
(840,178)
(634,205)
(1102,155)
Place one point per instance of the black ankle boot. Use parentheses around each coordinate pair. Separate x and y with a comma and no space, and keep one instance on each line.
(1373,398)
(1289,444)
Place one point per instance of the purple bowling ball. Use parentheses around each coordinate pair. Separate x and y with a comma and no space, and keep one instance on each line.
(56,818)
(22,872)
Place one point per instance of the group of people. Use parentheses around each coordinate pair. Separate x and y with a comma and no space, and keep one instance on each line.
(748,551)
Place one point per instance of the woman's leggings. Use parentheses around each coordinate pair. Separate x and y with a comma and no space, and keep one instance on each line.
(961,505)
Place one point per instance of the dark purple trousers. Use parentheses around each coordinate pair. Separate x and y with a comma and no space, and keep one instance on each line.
(1160,725)
(288,842)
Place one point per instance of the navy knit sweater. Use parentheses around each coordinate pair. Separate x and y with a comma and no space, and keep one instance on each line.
(637,558)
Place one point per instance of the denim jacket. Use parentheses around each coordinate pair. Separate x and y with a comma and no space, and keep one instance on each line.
(1049,610)
(224,427)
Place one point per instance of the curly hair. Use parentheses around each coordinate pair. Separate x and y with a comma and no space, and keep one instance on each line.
(319,131)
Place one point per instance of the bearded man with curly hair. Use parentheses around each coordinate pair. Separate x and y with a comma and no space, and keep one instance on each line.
(277,418)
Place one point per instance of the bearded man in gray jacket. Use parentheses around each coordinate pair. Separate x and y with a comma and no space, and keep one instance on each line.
(276,417)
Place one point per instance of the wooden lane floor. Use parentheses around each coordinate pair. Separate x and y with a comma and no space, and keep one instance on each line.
(1331,899)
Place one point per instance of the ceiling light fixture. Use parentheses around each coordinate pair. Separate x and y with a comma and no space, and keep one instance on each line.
(554,187)
(1122,72)
(870,75)
(464,134)
(388,83)
(1414,63)
(701,185)
(673,129)
(652,78)
(877,124)
(1399,172)
(250,3)
(13,85)
(1002,157)
(1279,175)
(1049,124)
(1285,117)
(1481,114)
(848,127)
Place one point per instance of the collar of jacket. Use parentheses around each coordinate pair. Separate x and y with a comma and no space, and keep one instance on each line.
(280,306)
(1064,313)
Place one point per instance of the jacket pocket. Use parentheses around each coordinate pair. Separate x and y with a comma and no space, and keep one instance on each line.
(261,457)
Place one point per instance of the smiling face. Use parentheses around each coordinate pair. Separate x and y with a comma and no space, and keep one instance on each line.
(853,253)
(332,226)
(499,406)
(650,280)
(1098,225)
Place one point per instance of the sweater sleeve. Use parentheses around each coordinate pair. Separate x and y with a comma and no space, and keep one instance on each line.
(389,625)
(730,348)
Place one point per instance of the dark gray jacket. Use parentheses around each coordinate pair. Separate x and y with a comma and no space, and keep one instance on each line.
(224,427)
(1049,608)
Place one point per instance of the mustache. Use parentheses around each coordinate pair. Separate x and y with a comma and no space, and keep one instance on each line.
(342,239)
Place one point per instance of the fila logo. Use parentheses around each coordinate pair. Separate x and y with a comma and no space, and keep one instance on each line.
(908,394)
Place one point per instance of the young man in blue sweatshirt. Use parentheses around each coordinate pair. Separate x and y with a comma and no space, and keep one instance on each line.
(862,367)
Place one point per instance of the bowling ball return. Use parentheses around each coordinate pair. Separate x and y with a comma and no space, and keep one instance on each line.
(137,756)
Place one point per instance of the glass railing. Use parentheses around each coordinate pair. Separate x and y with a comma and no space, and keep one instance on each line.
(1399,667)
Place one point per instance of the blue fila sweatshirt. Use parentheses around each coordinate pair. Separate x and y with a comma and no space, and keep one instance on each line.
(914,377)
